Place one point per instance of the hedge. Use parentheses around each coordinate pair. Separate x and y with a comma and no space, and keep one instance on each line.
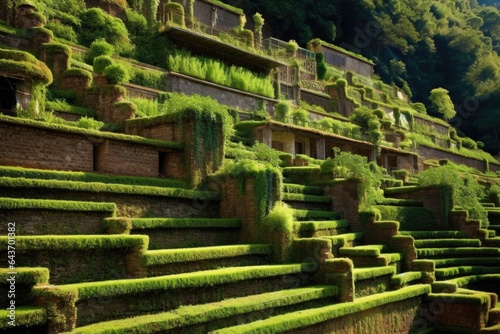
(483,261)
(300,189)
(195,314)
(465,270)
(342,239)
(19,172)
(24,275)
(76,242)
(323,225)
(399,202)
(370,250)
(151,223)
(164,256)
(367,273)
(438,243)
(306,198)
(314,214)
(106,188)
(410,217)
(434,234)
(466,280)
(21,203)
(458,298)
(26,316)
(205,278)
(305,318)
(466,251)
(20,63)
(407,277)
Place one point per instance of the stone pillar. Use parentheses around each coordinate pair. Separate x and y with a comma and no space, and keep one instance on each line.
(321,148)
(267,136)
(346,201)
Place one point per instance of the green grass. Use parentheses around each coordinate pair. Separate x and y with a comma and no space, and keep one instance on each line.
(164,256)
(305,318)
(465,270)
(439,243)
(345,238)
(466,280)
(368,250)
(150,223)
(76,242)
(28,173)
(463,251)
(313,214)
(26,316)
(21,203)
(194,314)
(399,202)
(205,278)
(306,198)
(458,298)
(323,225)
(463,261)
(106,188)
(25,275)
(372,272)
(407,277)
(300,189)
(434,234)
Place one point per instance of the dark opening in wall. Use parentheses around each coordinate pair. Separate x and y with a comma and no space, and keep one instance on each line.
(299,147)
(8,100)
(162,164)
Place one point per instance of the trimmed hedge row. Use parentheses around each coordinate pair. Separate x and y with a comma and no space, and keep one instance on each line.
(302,319)
(21,203)
(434,234)
(205,278)
(458,298)
(407,277)
(322,225)
(25,275)
(28,173)
(369,250)
(306,198)
(367,273)
(345,238)
(466,280)
(75,242)
(108,188)
(313,214)
(438,243)
(127,224)
(399,202)
(164,256)
(26,316)
(300,189)
(463,261)
(410,217)
(436,252)
(465,270)
(195,314)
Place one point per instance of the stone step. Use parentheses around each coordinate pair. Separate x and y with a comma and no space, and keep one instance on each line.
(435,234)
(439,243)
(310,215)
(20,280)
(467,261)
(450,272)
(301,189)
(230,312)
(454,252)
(309,229)
(181,260)
(28,320)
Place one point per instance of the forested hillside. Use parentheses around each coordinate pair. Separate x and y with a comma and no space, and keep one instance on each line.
(417,44)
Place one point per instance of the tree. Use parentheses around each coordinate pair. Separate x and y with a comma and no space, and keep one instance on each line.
(441,103)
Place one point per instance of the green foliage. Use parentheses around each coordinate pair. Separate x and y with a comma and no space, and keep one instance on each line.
(136,23)
(96,24)
(26,316)
(17,203)
(441,103)
(368,119)
(411,218)
(101,62)
(265,154)
(465,190)
(420,107)
(28,173)
(22,63)
(63,31)
(28,276)
(300,117)
(99,47)
(116,74)
(321,66)
(188,223)
(213,70)
(469,143)
(282,110)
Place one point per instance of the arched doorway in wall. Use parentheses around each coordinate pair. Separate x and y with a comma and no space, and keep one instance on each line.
(8,100)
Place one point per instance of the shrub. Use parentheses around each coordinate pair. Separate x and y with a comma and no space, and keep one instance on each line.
(469,143)
(62,31)
(300,116)
(136,23)
(280,227)
(116,74)
(99,47)
(420,107)
(282,110)
(101,62)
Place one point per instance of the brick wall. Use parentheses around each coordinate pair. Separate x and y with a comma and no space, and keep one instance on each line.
(46,149)
(226,19)
(237,99)
(432,153)
(345,201)
(313,99)
(37,147)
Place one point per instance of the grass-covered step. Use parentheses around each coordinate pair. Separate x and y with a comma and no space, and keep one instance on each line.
(462,251)
(344,240)
(80,258)
(27,319)
(399,202)
(301,189)
(19,281)
(467,261)
(409,278)
(329,319)
(437,243)
(173,261)
(178,232)
(30,173)
(323,228)
(466,281)
(302,215)
(117,299)
(211,316)
(81,186)
(365,250)
(435,234)
(308,202)
(488,205)
(449,272)
(39,216)
(371,280)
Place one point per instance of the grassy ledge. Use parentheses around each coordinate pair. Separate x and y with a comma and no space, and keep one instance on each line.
(313,214)
(407,277)
(29,173)
(77,242)
(367,273)
(21,203)
(190,315)
(26,316)
(314,316)
(159,257)
(323,225)
(151,223)
(300,189)
(306,198)
(205,278)
(108,188)
(29,276)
